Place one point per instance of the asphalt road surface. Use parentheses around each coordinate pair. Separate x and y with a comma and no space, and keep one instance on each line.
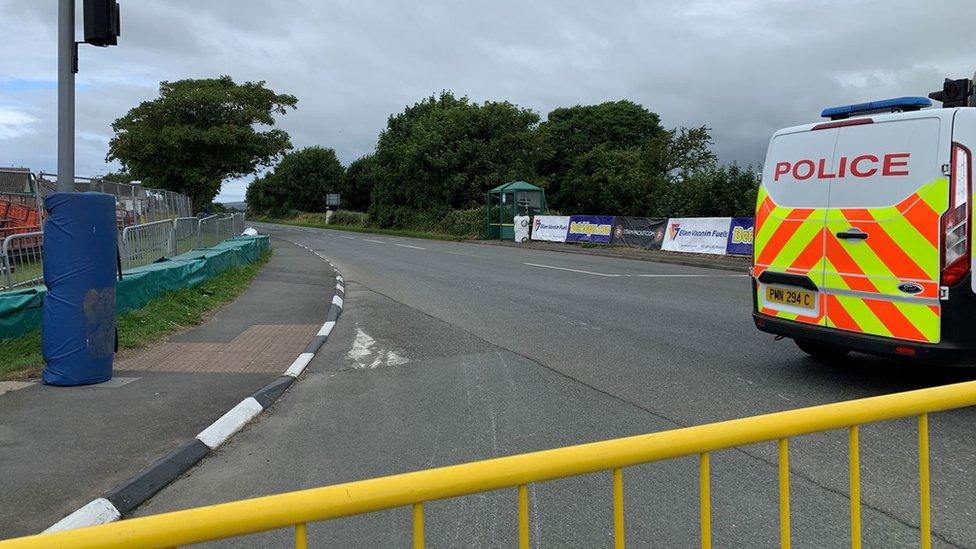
(452,352)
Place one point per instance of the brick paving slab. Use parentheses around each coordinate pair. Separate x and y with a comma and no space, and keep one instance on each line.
(260,348)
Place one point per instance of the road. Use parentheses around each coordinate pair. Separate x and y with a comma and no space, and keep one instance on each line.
(451,352)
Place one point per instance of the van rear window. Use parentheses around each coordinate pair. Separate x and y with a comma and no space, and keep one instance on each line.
(858,166)
(885,163)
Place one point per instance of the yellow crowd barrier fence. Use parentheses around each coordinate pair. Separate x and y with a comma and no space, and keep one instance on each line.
(297,509)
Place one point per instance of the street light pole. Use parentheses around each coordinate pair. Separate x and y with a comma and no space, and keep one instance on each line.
(66,95)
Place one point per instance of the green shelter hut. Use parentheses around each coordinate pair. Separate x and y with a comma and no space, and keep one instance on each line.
(508,200)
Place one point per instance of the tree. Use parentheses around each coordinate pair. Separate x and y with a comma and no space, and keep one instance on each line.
(199,133)
(254,196)
(607,181)
(357,185)
(121,176)
(447,152)
(716,191)
(300,181)
(570,132)
(669,170)
(679,152)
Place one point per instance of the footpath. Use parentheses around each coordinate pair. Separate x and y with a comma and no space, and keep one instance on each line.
(61,448)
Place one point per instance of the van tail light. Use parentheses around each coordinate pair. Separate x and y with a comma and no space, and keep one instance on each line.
(956,222)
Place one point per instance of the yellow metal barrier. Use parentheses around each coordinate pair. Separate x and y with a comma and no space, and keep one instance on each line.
(296,509)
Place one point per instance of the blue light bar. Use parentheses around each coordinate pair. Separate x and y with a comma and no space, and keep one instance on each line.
(884,105)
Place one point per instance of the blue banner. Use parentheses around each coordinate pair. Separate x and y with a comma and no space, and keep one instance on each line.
(740,236)
(590,228)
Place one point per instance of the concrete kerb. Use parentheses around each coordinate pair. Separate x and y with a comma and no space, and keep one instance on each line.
(132,493)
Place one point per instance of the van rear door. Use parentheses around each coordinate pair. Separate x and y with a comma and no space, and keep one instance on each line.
(882,239)
(790,224)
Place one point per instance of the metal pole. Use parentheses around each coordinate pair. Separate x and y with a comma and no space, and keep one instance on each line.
(66,95)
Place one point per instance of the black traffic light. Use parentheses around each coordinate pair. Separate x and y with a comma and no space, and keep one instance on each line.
(102,23)
(955,93)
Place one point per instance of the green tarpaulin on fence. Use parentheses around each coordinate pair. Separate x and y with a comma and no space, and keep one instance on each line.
(20,310)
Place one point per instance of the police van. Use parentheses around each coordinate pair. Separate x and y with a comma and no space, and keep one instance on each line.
(863,230)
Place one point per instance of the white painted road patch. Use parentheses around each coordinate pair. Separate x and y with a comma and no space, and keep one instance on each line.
(373,241)
(409,246)
(367,354)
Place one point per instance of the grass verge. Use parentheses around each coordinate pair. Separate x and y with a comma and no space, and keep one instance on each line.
(358,229)
(21,358)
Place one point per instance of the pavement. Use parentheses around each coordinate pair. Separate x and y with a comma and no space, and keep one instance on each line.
(452,352)
(62,447)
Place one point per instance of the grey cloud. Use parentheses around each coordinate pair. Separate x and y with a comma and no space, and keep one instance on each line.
(743,68)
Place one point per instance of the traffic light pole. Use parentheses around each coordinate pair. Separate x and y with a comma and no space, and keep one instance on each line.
(66,95)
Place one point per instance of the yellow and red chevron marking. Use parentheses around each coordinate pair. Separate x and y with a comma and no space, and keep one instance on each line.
(876,316)
(864,275)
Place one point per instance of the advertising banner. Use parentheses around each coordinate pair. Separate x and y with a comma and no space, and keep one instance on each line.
(740,236)
(640,232)
(552,228)
(703,235)
(590,228)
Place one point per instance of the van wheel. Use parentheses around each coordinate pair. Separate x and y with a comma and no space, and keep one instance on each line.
(821,350)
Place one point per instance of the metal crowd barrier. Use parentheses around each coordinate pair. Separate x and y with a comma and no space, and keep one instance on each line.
(207,232)
(186,229)
(21,260)
(296,509)
(146,243)
(225,227)
(21,254)
(238,224)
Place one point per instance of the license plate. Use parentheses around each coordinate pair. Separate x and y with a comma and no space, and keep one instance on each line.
(791,296)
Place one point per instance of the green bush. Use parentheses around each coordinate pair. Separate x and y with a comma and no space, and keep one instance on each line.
(465,223)
(346,217)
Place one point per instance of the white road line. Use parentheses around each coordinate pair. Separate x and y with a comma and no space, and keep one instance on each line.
(572,270)
(464,254)
(612,275)
(373,241)
(346,237)
(409,246)
(691,275)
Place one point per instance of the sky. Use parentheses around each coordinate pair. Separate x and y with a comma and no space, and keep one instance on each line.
(743,68)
